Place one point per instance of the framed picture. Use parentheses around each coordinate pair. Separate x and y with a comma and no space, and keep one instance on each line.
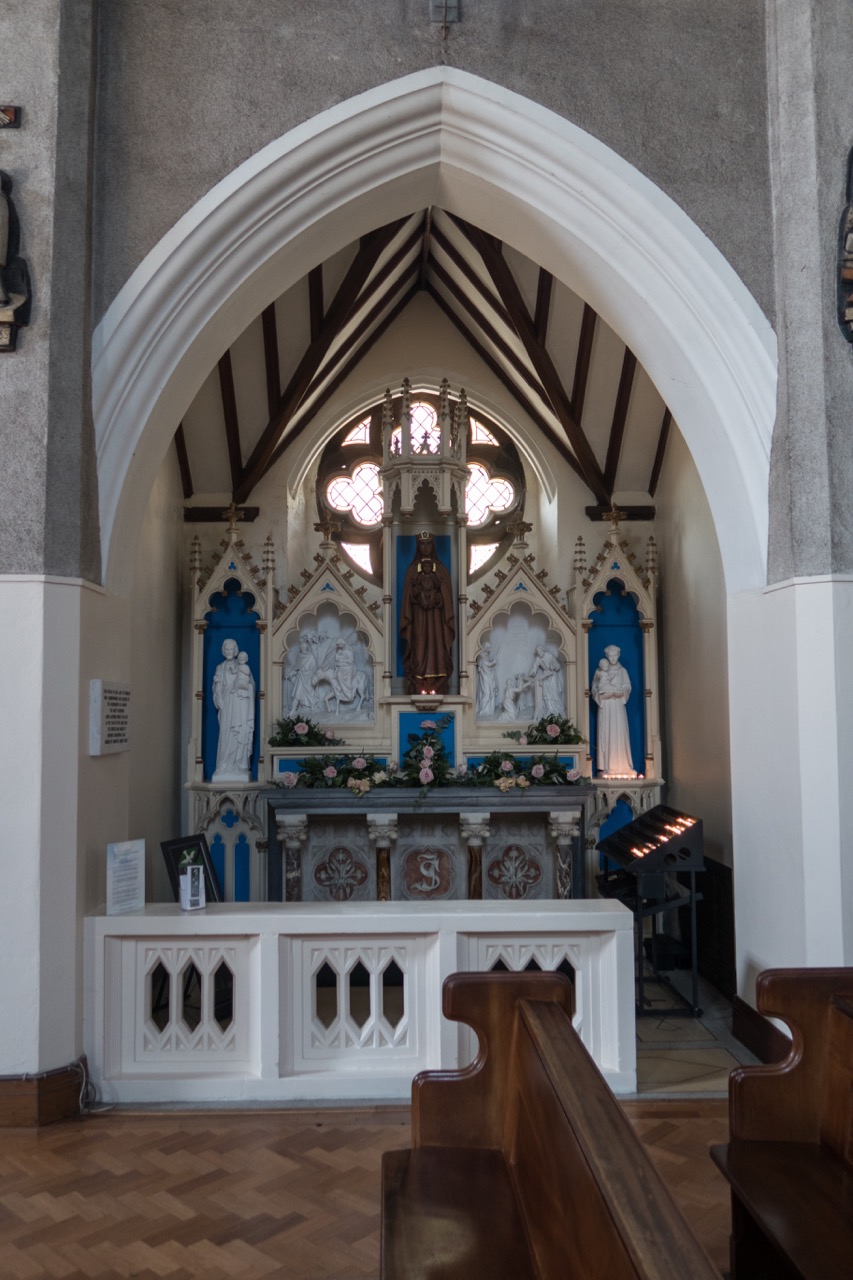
(191,851)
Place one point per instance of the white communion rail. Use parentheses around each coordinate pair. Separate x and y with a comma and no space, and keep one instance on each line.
(305,1002)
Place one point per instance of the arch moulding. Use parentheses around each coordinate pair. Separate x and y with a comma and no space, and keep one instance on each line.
(523,174)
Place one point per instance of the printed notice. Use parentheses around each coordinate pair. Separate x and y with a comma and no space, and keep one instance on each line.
(125,877)
(109,717)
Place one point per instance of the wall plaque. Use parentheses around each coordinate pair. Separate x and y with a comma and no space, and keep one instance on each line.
(109,717)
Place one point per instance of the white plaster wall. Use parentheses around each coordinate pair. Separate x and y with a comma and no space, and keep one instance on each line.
(156,644)
(103,780)
(790,729)
(693,655)
(39,631)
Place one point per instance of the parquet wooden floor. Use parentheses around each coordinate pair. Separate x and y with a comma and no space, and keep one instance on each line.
(252,1194)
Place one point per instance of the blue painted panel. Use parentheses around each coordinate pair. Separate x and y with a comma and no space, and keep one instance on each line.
(569,761)
(232,617)
(619,816)
(217,857)
(406,543)
(411,722)
(616,620)
(294,766)
(241,870)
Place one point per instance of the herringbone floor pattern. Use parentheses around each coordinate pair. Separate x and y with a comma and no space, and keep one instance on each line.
(257,1194)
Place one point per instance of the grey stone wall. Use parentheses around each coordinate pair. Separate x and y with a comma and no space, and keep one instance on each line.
(188,91)
(48,490)
(810,47)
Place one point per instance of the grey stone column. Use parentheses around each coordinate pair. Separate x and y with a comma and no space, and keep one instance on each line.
(810,98)
(48,486)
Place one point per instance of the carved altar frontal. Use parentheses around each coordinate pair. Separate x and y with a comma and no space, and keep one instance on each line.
(456,844)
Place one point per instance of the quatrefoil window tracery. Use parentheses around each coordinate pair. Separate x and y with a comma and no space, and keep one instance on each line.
(349,484)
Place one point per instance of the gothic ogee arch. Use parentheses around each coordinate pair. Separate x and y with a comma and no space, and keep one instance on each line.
(522,173)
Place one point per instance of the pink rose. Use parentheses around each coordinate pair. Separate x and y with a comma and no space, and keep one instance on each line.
(552,730)
(289,779)
(329,732)
(330,771)
(359,763)
(301,728)
(522,742)
(428,753)
(428,724)
(425,775)
(573,774)
(538,771)
(507,766)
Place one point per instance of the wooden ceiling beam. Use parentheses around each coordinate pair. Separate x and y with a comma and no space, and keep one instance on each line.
(462,264)
(542,313)
(620,417)
(271,361)
(426,248)
(358,333)
(328,391)
(514,390)
(510,295)
(183,462)
(582,360)
(491,333)
(232,424)
(369,251)
(665,425)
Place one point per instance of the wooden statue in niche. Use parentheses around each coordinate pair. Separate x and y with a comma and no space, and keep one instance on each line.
(427,621)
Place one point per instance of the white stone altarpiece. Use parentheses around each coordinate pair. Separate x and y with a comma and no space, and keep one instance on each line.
(324,648)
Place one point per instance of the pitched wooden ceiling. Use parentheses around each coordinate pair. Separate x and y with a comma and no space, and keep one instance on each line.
(557,360)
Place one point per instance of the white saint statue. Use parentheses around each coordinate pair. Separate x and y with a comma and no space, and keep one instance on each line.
(303,695)
(611,688)
(514,690)
(234,699)
(487,682)
(547,678)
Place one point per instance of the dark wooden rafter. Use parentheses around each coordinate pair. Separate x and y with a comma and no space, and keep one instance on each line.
(343,373)
(582,361)
(183,462)
(620,417)
(426,248)
(660,451)
(510,295)
(229,411)
(542,313)
(315,301)
(461,263)
(353,341)
(369,251)
(308,405)
(489,331)
(271,363)
(216,515)
(514,390)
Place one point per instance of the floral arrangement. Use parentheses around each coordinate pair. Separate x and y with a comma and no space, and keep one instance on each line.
(358,773)
(505,771)
(425,764)
(550,731)
(302,733)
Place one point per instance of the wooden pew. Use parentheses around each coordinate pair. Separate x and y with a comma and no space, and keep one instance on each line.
(789,1160)
(523,1164)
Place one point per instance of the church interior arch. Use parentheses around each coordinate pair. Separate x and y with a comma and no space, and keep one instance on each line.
(437,284)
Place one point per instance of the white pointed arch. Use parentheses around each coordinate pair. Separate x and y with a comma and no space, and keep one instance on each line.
(533,179)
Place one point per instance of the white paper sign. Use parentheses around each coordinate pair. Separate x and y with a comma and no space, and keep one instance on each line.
(125,877)
(109,717)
